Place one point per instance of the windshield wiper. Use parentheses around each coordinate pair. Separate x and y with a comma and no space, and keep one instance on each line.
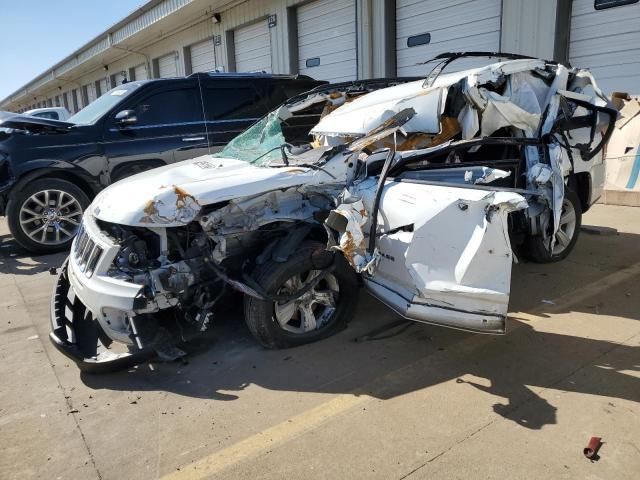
(283,148)
(265,154)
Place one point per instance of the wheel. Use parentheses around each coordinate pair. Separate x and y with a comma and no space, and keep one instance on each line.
(566,236)
(45,214)
(322,311)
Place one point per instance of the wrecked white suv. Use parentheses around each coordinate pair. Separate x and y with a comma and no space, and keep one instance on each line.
(416,190)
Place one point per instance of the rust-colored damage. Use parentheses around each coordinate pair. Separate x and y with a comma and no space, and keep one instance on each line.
(450,128)
(182,196)
(152,213)
(414,141)
(348,246)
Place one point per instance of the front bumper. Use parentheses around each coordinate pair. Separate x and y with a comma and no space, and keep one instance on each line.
(76,333)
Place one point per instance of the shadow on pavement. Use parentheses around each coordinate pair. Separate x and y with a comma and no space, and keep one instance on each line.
(398,357)
(407,356)
(17,261)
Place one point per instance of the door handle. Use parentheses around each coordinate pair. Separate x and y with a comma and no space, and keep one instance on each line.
(192,139)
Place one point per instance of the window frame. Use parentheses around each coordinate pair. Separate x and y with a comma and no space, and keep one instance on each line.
(259,91)
(136,100)
(612,4)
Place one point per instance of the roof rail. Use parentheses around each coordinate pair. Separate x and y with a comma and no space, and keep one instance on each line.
(450,57)
(213,73)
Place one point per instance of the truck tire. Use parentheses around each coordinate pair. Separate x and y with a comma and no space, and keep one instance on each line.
(319,313)
(566,237)
(45,214)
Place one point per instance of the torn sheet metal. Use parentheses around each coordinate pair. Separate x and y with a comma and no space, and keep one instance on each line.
(364,114)
(179,206)
(557,187)
(469,121)
(351,240)
(476,250)
(500,112)
(444,248)
(548,180)
(490,175)
(334,99)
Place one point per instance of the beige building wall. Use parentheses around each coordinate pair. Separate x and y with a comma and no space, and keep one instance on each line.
(527,27)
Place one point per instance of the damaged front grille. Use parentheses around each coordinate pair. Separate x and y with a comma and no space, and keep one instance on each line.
(86,252)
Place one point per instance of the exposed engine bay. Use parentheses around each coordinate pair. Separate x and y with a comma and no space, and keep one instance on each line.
(406,183)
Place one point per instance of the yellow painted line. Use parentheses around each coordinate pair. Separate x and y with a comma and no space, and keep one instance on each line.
(267,439)
(281,433)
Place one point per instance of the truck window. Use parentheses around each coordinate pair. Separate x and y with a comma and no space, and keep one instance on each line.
(226,101)
(169,107)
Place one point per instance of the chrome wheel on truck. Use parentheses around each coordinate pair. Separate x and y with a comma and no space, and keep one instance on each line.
(44,215)
(51,217)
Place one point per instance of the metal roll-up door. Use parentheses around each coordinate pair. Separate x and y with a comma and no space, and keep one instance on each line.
(327,40)
(140,72)
(252,46)
(167,66)
(426,28)
(607,42)
(91,92)
(117,79)
(202,56)
(104,88)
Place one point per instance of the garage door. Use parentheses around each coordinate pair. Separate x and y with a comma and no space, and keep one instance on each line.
(202,57)
(426,28)
(140,72)
(167,66)
(104,88)
(117,79)
(66,103)
(91,92)
(327,40)
(253,48)
(607,41)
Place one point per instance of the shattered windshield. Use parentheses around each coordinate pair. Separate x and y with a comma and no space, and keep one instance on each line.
(260,144)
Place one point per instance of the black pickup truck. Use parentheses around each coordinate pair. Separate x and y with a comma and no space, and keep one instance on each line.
(50,170)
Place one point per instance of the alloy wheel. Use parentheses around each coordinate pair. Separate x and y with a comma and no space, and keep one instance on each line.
(566,229)
(50,217)
(311,311)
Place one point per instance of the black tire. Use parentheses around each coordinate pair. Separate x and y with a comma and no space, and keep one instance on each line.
(20,200)
(535,248)
(260,315)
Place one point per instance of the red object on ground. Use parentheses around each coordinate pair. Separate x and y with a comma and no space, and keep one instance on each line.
(591,450)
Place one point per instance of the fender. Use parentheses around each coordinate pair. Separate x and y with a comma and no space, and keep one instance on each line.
(58,169)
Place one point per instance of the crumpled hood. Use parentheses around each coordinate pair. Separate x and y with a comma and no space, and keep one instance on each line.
(173,195)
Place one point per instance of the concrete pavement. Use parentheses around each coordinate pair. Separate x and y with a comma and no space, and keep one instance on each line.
(413,401)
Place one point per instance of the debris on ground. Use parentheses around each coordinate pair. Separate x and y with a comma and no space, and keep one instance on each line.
(591,450)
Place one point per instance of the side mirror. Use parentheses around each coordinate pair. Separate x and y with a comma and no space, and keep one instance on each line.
(126,118)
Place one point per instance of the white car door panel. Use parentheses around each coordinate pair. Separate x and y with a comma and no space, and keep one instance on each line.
(445,257)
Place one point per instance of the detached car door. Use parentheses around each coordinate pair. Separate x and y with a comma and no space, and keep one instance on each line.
(445,254)
(169,127)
